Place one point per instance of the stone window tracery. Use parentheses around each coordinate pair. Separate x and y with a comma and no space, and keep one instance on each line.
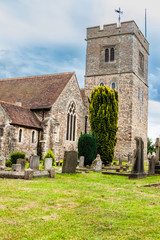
(71,122)
(109,54)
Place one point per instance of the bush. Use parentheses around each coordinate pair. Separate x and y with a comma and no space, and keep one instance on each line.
(49,154)
(87,147)
(8,163)
(16,155)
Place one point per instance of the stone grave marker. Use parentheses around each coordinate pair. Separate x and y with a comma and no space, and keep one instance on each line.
(1,162)
(157,144)
(16,167)
(138,166)
(130,157)
(70,162)
(34,162)
(152,163)
(97,164)
(120,161)
(81,162)
(47,163)
(22,162)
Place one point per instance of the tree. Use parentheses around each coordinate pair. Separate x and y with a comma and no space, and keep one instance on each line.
(150,146)
(103,116)
(87,147)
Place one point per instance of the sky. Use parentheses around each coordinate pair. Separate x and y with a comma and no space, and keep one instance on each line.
(48,36)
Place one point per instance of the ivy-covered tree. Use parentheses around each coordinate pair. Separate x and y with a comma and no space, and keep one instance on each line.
(103,116)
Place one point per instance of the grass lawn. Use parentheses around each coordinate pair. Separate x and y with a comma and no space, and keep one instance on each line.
(80,206)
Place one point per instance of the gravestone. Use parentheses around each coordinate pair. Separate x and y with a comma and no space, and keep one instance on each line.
(81,162)
(151,167)
(130,157)
(47,163)
(51,173)
(138,166)
(22,162)
(16,167)
(97,164)
(70,162)
(1,162)
(28,174)
(120,161)
(157,144)
(34,162)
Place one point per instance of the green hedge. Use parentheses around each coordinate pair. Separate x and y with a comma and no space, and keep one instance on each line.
(87,147)
(16,155)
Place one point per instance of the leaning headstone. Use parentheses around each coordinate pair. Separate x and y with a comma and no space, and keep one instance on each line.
(28,174)
(70,162)
(22,162)
(34,162)
(16,167)
(47,163)
(157,150)
(97,164)
(81,162)
(138,167)
(151,167)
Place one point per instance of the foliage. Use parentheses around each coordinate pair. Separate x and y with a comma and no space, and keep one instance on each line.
(103,116)
(49,154)
(150,146)
(8,163)
(16,155)
(87,147)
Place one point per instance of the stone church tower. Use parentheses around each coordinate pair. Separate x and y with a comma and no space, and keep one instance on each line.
(118,57)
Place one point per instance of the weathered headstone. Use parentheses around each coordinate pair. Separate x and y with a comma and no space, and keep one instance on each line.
(16,167)
(97,164)
(28,174)
(70,162)
(120,161)
(130,157)
(81,162)
(1,162)
(22,162)
(151,167)
(138,167)
(157,150)
(47,163)
(34,162)
(51,173)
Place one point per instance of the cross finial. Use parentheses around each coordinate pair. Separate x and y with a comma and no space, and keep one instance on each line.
(120,12)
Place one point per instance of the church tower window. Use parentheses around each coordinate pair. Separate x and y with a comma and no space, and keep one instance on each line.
(113,85)
(109,54)
(71,122)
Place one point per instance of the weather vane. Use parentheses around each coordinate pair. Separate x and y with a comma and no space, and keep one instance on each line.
(120,12)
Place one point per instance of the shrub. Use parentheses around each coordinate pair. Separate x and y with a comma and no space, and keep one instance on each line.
(49,154)
(14,156)
(103,116)
(8,163)
(87,147)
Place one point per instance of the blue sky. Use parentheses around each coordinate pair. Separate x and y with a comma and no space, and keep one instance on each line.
(45,37)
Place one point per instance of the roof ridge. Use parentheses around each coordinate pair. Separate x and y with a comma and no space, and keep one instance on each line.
(36,76)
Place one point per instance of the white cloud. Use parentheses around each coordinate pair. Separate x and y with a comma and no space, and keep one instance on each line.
(154,120)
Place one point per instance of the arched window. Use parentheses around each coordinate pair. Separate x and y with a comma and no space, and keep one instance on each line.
(71,122)
(20,135)
(112,54)
(107,55)
(113,85)
(33,133)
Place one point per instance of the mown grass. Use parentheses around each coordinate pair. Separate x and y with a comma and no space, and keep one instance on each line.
(80,206)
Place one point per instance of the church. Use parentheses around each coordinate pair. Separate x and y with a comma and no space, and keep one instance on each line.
(49,111)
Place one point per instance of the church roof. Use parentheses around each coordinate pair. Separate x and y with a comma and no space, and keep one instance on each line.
(21,116)
(36,92)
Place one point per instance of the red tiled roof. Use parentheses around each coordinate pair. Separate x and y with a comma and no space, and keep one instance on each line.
(21,116)
(37,92)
